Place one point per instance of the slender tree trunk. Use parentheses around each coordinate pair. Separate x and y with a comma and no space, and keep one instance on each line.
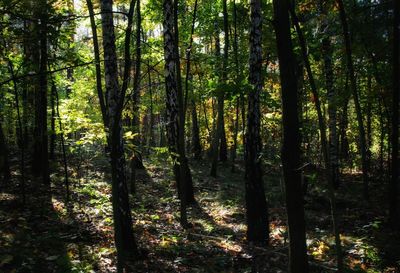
(151,125)
(4,154)
(136,159)
(196,146)
(175,133)
(235,53)
(71,40)
(217,130)
(344,122)
(223,149)
(124,238)
(394,216)
(381,139)
(20,135)
(291,141)
(185,173)
(333,164)
(353,86)
(102,99)
(314,90)
(64,153)
(42,134)
(52,123)
(256,205)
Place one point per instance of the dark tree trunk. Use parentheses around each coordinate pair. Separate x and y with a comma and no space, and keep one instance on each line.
(62,140)
(20,134)
(196,146)
(291,141)
(195,133)
(394,216)
(223,149)
(124,238)
(4,163)
(235,53)
(333,164)
(71,40)
(135,160)
(175,134)
(42,154)
(52,122)
(151,141)
(102,100)
(314,91)
(353,86)
(219,121)
(256,205)
(185,172)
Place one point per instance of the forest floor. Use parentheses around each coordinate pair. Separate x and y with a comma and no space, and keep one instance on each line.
(48,235)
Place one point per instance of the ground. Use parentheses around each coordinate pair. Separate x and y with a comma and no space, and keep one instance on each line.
(51,235)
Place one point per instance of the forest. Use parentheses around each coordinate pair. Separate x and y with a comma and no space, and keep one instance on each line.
(215,136)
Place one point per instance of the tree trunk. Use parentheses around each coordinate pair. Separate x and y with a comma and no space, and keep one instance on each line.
(4,163)
(353,86)
(41,110)
(174,126)
(223,149)
(218,125)
(333,164)
(314,91)
(124,238)
(20,136)
(256,205)
(64,153)
(184,164)
(394,216)
(236,57)
(102,99)
(52,122)
(291,141)
(136,159)
(196,146)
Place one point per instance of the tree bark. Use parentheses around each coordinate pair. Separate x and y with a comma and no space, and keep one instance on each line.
(175,134)
(124,238)
(333,164)
(353,86)
(185,173)
(394,216)
(102,100)
(291,141)
(218,127)
(256,205)
(223,149)
(4,163)
(236,57)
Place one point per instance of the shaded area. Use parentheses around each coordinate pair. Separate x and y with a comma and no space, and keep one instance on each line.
(50,236)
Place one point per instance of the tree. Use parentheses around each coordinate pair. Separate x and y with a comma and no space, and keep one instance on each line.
(4,164)
(291,140)
(174,107)
(124,238)
(353,86)
(256,205)
(394,182)
(185,174)
(41,154)
(219,147)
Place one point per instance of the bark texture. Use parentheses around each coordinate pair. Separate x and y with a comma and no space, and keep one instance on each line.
(256,205)
(124,238)
(291,141)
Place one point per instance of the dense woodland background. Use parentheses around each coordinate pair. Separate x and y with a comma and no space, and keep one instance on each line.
(199,136)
